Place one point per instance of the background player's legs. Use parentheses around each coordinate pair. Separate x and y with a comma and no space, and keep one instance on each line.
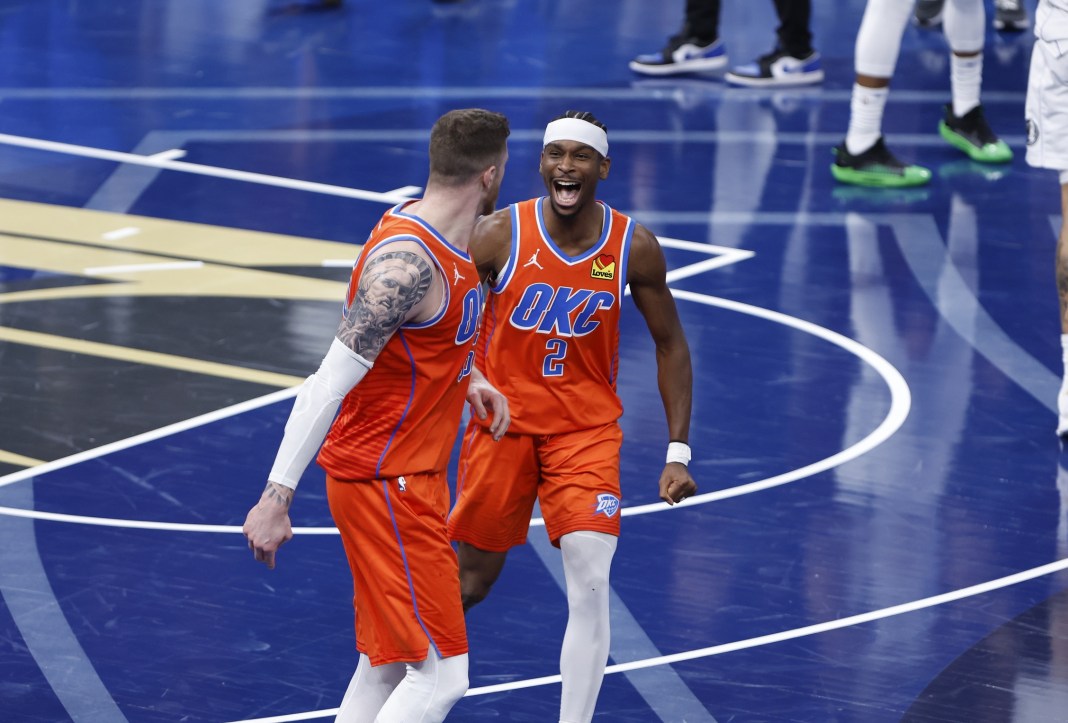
(587,560)
(964,125)
(369,690)
(479,569)
(1062,294)
(863,158)
(428,692)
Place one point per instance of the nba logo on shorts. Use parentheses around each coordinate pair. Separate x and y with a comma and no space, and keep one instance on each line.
(606,503)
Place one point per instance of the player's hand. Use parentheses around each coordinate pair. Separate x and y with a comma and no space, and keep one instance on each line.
(485,399)
(267,525)
(676,484)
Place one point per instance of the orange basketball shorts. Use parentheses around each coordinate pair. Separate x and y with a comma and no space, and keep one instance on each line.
(405,574)
(574,476)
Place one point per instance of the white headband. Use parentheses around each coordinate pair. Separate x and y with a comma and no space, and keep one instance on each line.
(573,129)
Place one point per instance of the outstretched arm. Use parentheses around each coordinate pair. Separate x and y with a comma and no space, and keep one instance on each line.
(393,288)
(648,285)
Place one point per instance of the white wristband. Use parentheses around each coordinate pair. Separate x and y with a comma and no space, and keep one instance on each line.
(678,452)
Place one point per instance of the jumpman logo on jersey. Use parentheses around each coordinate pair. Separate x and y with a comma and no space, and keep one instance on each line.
(534,261)
(456,275)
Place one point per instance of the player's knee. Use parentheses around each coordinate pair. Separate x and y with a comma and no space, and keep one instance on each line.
(452,689)
(472,593)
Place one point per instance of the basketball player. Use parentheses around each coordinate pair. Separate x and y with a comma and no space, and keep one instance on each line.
(863,158)
(557,267)
(400,368)
(1047,145)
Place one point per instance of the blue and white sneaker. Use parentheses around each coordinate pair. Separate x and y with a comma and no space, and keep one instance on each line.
(682,55)
(778,69)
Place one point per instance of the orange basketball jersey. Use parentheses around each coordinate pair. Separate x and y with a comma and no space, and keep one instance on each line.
(403,416)
(550,335)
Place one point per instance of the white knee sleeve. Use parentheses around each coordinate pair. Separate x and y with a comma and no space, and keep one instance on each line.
(587,562)
(964,23)
(428,692)
(368,691)
(879,37)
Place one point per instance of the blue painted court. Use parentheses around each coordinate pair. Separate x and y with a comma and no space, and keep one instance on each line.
(881,527)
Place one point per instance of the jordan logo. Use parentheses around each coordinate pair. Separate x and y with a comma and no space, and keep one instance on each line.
(534,261)
(456,275)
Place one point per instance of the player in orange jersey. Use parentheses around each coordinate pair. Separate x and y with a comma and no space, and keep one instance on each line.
(557,267)
(399,368)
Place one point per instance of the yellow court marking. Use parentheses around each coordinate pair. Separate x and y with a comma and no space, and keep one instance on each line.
(151,358)
(18,460)
(161,236)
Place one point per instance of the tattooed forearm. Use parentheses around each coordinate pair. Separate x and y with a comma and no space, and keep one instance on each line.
(279,494)
(391,284)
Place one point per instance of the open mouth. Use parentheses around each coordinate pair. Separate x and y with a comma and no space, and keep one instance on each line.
(566,192)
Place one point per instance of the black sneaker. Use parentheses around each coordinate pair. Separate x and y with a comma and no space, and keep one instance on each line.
(682,54)
(778,69)
(876,166)
(972,134)
(1009,15)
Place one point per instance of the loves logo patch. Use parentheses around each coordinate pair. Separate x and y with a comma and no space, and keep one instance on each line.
(604,267)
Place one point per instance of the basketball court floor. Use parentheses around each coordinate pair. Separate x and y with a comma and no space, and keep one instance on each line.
(881,528)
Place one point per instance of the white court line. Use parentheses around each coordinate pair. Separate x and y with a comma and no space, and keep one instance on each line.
(900,403)
(120,233)
(134,268)
(771,639)
(246,176)
(171,155)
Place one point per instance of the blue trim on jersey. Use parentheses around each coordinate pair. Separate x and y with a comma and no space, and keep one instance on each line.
(396,211)
(407,570)
(606,229)
(513,255)
(408,406)
(624,257)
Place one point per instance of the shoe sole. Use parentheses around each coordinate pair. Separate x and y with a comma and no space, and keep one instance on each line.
(788,81)
(691,66)
(919,177)
(1001,154)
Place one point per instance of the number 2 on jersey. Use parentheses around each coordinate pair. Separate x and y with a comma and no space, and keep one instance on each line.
(553,366)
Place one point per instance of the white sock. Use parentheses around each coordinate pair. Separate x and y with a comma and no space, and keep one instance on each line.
(584,654)
(865,118)
(966,79)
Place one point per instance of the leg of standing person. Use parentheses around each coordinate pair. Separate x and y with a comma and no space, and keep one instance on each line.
(964,126)
(1062,296)
(1047,147)
(404,692)
(695,48)
(862,158)
(587,560)
(792,61)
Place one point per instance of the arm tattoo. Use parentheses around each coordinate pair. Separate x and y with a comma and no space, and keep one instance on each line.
(282,499)
(391,284)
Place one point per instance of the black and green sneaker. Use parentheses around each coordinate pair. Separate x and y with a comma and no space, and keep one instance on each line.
(876,166)
(972,134)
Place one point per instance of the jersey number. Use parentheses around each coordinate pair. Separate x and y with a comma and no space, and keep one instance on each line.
(553,365)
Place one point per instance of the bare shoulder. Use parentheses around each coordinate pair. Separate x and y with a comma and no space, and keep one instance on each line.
(646,263)
(491,242)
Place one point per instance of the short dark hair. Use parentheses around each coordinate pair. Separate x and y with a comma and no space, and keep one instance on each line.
(583,115)
(465,142)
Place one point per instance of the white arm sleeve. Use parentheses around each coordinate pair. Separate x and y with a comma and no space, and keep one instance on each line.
(314,410)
